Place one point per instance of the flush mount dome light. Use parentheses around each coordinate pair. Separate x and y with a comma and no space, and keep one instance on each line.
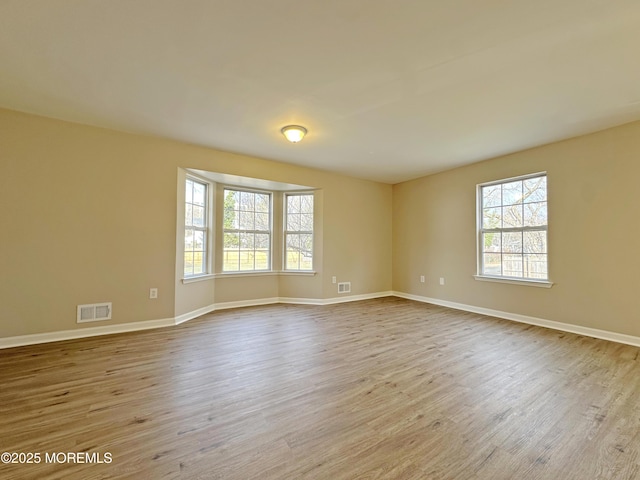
(294,133)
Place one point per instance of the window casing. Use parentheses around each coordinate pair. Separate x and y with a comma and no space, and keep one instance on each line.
(512,229)
(298,231)
(196,228)
(247,231)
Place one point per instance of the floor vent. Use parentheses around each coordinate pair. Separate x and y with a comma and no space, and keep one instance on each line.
(344,287)
(94,312)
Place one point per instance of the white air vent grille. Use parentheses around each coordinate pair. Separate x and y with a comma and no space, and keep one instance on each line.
(344,287)
(94,312)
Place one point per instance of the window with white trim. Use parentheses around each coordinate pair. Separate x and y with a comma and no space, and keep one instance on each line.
(298,231)
(246,231)
(512,228)
(196,228)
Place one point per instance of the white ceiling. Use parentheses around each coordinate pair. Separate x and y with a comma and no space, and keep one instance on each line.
(389,89)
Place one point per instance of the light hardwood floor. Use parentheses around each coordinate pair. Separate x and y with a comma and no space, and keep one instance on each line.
(386,388)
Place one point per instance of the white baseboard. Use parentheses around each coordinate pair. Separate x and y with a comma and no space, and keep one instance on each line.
(36,338)
(247,303)
(185,317)
(540,322)
(355,298)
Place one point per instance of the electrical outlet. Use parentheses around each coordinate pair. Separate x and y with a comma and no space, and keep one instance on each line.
(421,278)
(153,293)
(334,280)
(441,280)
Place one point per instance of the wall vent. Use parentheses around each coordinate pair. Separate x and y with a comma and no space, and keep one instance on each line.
(344,287)
(94,312)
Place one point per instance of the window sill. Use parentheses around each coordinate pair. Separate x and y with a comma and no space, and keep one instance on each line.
(198,278)
(304,273)
(212,276)
(515,281)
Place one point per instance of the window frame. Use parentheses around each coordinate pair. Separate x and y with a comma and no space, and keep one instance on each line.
(206,229)
(224,230)
(480,231)
(286,231)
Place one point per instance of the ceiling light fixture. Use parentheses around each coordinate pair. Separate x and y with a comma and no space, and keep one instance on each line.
(294,133)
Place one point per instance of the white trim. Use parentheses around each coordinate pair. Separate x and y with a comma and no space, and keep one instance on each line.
(540,322)
(512,179)
(198,278)
(515,281)
(185,317)
(36,338)
(247,303)
(333,300)
(265,273)
(301,301)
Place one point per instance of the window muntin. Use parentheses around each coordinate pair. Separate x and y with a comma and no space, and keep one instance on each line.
(298,231)
(513,228)
(246,231)
(195,228)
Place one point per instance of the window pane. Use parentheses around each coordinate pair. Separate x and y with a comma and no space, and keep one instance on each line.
(188,239)
(188,191)
(262,251)
(261,240)
(262,202)
(198,216)
(292,251)
(512,265)
(535,214)
(491,196)
(492,242)
(198,240)
(246,220)
(535,242)
(198,262)
(512,193)
(231,200)
(293,222)
(306,203)
(247,212)
(512,216)
(188,263)
(492,264)
(535,266)
(492,218)
(188,214)
(306,222)
(231,240)
(231,220)
(512,242)
(199,193)
(306,245)
(195,213)
(262,222)
(535,189)
(293,204)
(299,218)
(247,201)
(246,241)
(262,259)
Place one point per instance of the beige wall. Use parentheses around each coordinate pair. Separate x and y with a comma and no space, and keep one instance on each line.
(593,233)
(89,215)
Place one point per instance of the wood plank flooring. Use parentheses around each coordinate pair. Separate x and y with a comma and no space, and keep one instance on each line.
(379,389)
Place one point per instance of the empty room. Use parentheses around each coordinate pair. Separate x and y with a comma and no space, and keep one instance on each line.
(319,240)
